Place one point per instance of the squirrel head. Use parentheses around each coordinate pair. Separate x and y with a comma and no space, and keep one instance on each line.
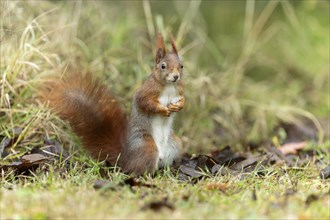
(168,67)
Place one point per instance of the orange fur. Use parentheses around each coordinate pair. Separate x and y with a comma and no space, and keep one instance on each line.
(173,45)
(147,98)
(160,42)
(92,111)
(142,160)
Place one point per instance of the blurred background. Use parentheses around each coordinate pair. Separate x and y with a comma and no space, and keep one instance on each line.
(251,68)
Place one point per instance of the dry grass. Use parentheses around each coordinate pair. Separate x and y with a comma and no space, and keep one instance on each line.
(42,39)
(243,75)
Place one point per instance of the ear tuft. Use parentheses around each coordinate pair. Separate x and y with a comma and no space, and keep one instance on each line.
(174,50)
(160,44)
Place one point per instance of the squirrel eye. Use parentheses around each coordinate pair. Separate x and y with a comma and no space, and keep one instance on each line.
(181,66)
(163,66)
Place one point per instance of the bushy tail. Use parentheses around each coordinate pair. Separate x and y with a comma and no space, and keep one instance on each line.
(91,111)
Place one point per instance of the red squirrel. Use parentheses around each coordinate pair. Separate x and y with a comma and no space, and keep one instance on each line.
(144,143)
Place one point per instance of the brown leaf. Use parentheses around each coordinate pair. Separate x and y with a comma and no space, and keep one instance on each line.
(134,182)
(27,162)
(192,172)
(195,167)
(292,148)
(185,197)
(33,158)
(51,148)
(188,161)
(250,161)
(217,186)
(158,205)
(205,162)
(227,157)
(311,198)
(223,171)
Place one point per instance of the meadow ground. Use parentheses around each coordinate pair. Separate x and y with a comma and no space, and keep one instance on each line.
(249,69)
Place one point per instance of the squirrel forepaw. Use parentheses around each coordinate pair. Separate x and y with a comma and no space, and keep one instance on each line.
(166,112)
(174,107)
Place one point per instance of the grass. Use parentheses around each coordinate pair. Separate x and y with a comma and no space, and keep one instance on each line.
(243,77)
(71,195)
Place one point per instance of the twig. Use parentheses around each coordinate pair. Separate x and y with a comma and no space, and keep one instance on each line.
(278,153)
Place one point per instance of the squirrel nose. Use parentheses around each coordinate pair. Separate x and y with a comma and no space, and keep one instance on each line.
(175,77)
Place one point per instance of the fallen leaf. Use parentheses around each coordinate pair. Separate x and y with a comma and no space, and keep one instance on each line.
(277,155)
(195,167)
(186,158)
(5,143)
(15,164)
(33,158)
(192,172)
(292,148)
(244,164)
(227,157)
(215,169)
(300,131)
(188,162)
(98,184)
(217,186)
(223,171)
(185,197)
(205,162)
(104,185)
(325,172)
(8,142)
(158,205)
(51,148)
(183,177)
(131,181)
(27,162)
(311,198)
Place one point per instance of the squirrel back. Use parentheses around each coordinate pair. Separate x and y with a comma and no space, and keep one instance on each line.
(92,112)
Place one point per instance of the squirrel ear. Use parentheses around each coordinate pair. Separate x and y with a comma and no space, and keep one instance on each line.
(173,45)
(159,55)
(160,44)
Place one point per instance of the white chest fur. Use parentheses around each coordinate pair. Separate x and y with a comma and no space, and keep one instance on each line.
(162,128)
